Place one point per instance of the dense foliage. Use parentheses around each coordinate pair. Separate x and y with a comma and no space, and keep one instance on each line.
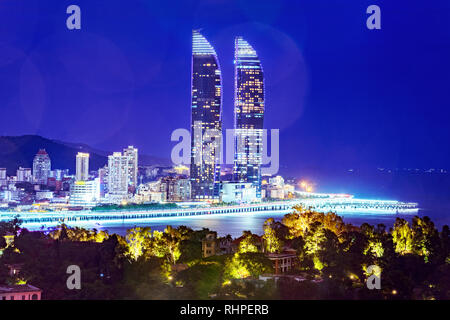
(333,259)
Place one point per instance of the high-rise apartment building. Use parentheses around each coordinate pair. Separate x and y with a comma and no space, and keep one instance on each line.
(103,178)
(59,174)
(82,167)
(248,114)
(132,154)
(24,175)
(3,177)
(175,188)
(117,176)
(206,126)
(41,167)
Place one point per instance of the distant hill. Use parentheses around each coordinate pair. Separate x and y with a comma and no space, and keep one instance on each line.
(20,151)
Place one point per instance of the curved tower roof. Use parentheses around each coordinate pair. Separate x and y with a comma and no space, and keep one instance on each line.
(206,125)
(244,49)
(249,107)
(200,45)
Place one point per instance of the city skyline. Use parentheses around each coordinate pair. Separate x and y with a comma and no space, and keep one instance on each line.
(319,92)
(225,151)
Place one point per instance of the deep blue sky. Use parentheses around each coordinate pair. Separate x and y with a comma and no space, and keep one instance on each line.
(340,93)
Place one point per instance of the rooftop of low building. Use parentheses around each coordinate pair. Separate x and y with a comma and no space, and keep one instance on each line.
(18,288)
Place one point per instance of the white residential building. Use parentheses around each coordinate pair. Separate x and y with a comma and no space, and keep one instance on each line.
(132,155)
(3,180)
(24,175)
(238,192)
(277,181)
(276,193)
(44,195)
(85,193)
(82,167)
(117,177)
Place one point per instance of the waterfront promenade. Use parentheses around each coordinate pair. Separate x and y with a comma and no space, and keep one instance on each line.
(338,205)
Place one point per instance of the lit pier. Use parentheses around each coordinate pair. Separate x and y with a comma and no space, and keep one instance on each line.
(338,204)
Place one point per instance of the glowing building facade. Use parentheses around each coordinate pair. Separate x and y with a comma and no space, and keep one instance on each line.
(23,175)
(117,177)
(206,126)
(85,193)
(82,167)
(132,154)
(248,114)
(41,167)
(3,177)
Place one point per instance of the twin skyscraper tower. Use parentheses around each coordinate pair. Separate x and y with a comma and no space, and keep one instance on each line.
(206,120)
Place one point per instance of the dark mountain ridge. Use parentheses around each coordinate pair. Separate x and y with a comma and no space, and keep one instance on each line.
(19,151)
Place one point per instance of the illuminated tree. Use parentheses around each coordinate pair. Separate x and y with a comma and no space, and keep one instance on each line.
(402,236)
(101,236)
(334,223)
(271,240)
(322,246)
(314,238)
(139,240)
(375,237)
(158,247)
(244,265)
(78,234)
(425,237)
(61,232)
(300,221)
(248,243)
(167,244)
(173,238)
(290,220)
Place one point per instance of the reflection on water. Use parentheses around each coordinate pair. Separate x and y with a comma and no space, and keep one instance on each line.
(232,224)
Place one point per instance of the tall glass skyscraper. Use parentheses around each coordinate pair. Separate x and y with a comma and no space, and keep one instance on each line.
(206,122)
(248,114)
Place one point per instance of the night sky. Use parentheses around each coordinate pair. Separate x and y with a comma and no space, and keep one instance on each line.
(340,93)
